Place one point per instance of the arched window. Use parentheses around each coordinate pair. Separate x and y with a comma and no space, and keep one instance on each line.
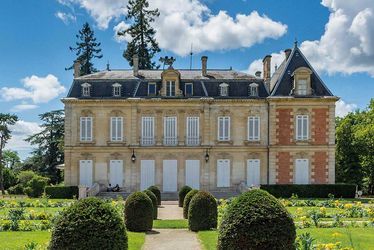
(86,89)
(253,89)
(224,89)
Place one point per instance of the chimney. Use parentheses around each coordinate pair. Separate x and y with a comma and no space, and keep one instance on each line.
(77,68)
(135,64)
(287,52)
(258,74)
(266,63)
(204,61)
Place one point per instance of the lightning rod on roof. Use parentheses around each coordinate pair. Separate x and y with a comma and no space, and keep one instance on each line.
(191,53)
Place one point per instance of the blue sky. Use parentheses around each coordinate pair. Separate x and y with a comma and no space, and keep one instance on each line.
(335,35)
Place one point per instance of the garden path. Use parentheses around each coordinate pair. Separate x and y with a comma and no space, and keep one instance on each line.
(169,210)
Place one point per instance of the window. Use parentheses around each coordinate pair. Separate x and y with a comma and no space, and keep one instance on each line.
(170,131)
(301,171)
(116,90)
(192,131)
(188,89)
(116,127)
(86,89)
(170,88)
(151,88)
(253,89)
(302,127)
(86,128)
(301,87)
(224,128)
(223,173)
(253,128)
(224,89)
(148,130)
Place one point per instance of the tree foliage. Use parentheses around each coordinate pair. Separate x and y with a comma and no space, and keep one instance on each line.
(142,34)
(87,48)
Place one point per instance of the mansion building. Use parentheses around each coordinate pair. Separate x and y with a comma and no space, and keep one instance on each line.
(211,129)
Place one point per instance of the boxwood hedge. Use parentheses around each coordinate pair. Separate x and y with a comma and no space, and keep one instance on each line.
(202,212)
(182,194)
(138,212)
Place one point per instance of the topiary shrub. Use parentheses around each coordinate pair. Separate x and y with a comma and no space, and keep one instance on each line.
(89,224)
(186,202)
(156,192)
(153,197)
(138,212)
(256,220)
(182,194)
(202,212)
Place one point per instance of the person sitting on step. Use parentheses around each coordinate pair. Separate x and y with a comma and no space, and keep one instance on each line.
(116,188)
(109,188)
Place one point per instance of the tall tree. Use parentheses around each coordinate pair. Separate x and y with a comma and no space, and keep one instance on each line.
(86,49)
(11,158)
(6,120)
(49,141)
(143,42)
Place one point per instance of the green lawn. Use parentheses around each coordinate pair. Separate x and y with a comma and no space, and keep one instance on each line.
(170,224)
(17,240)
(362,238)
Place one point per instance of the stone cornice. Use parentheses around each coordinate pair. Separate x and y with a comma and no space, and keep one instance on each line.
(302,100)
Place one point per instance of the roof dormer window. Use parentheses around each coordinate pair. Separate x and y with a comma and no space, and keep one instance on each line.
(188,89)
(116,90)
(152,89)
(302,81)
(86,89)
(301,87)
(253,89)
(224,89)
(170,88)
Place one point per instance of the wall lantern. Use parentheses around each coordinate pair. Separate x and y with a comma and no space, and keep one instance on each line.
(206,156)
(133,157)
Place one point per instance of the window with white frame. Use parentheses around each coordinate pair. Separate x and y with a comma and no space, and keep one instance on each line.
(170,88)
(188,89)
(224,89)
(170,131)
(302,127)
(192,131)
(223,128)
(152,88)
(301,86)
(116,128)
(86,128)
(253,128)
(86,89)
(253,89)
(148,130)
(116,90)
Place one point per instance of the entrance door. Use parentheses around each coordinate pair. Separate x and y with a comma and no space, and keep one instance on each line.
(193,173)
(223,173)
(85,173)
(170,175)
(302,171)
(147,173)
(116,173)
(253,172)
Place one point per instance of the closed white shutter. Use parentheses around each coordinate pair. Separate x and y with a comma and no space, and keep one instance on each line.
(170,175)
(253,172)
(116,173)
(147,130)
(85,173)
(86,128)
(302,127)
(116,128)
(192,131)
(170,131)
(301,171)
(224,128)
(223,173)
(253,128)
(147,173)
(193,173)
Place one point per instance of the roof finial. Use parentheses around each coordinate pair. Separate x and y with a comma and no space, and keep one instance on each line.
(108,66)
(295,42)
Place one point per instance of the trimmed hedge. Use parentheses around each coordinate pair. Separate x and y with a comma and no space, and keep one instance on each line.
(202,212)
(138,212)
(182,194)
(186,202)
(56,192)
(153,197)
(256,220)
(156,192)
(89,223)
(311,190)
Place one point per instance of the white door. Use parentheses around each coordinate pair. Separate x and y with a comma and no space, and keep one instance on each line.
(170,175)
(302,171)
(85,173)
(147,173)
(223,173)
(116,173)
(253,172)
(193,173)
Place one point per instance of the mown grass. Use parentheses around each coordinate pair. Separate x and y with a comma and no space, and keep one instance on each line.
(170,224)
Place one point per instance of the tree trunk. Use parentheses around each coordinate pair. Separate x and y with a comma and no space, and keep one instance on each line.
(1,171)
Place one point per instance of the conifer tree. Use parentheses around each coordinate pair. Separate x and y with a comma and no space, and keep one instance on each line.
(143,42)
(86,49)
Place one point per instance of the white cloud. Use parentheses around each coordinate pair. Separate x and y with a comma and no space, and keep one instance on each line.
(183,22)
(66,18)
(38,89)
(23,107)
(342,108)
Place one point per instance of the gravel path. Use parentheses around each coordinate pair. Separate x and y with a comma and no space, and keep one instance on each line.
(171,239)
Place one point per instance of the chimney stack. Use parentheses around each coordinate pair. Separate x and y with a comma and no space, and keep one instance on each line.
(77,68)
(287,52)
(258,74)
(266,67)
(204,61)
(135,64)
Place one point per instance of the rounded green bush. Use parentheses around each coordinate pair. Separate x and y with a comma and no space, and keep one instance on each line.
(156,192)
(153,197)
(182,194)
(138,212)
(202,212)
(256,220)
(89,224)
(186,202)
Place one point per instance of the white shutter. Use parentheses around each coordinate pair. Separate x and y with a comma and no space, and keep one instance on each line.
(301,171)
(253,172)
(148,130)
(253,128)
(192,131)
(223,173)
(116,128)
(85,173)
(224,128)
(170,175)
(193,173)
(86,128)
(116,173)
(170,131)
(147,173)
(302,127)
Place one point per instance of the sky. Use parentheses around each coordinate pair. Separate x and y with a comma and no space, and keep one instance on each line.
(337,37)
